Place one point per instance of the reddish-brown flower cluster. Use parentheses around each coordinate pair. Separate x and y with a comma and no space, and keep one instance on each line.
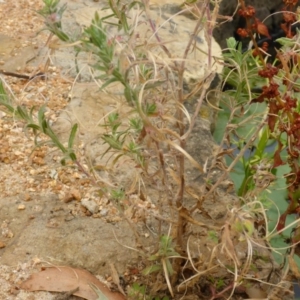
(242,32)
(247,12)
(283,116)
(290,103)
(294,129)
(289,18)
(271,91)
(290,2)
(268,92)
(268,72)
(254,24)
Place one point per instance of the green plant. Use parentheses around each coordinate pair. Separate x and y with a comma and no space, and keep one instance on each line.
(53,15)
(40,126)
(122,61)
(163,260)
(139,292)
(261,114)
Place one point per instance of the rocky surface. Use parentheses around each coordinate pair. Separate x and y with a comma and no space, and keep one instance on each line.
(46,229)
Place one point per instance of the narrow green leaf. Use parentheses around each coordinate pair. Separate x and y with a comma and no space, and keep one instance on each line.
(151,269)
(55,140)
(153,257)
(72,135)
(41,115)
(10,108)
(33,126)
(108,82)
(169,267)
(72,156)
(117,158)
(112,141)
(23,113)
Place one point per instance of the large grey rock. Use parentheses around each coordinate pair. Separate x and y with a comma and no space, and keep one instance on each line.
(171,30)
(46,229)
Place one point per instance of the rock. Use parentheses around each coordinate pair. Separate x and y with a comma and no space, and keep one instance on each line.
(87,243)
(90,205)
(73,194)
(21,207)
(170,31)
(103,212)
(13,56)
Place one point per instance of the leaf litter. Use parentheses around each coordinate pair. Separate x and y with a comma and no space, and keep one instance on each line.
(65,279)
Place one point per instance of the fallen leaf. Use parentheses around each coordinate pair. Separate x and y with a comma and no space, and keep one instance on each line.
(115,277)
(62,279)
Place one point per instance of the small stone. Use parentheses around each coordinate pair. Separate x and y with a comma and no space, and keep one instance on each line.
(41,89)
(64,178)
(88,213)
(69,218)
(39,161)
(21,207)
(103,212)
(68,198)
(27,197)
(76,175)
(76,194)
(2,245)
(90,205)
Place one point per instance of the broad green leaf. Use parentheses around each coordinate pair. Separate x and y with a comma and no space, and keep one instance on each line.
(231,42)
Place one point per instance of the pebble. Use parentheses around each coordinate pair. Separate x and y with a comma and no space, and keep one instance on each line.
(104,212)
(90,205)
(21,207)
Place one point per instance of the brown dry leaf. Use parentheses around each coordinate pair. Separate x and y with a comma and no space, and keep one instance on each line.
(115,277)
(62,279)
(262,28)
(293,266)
(227,244)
